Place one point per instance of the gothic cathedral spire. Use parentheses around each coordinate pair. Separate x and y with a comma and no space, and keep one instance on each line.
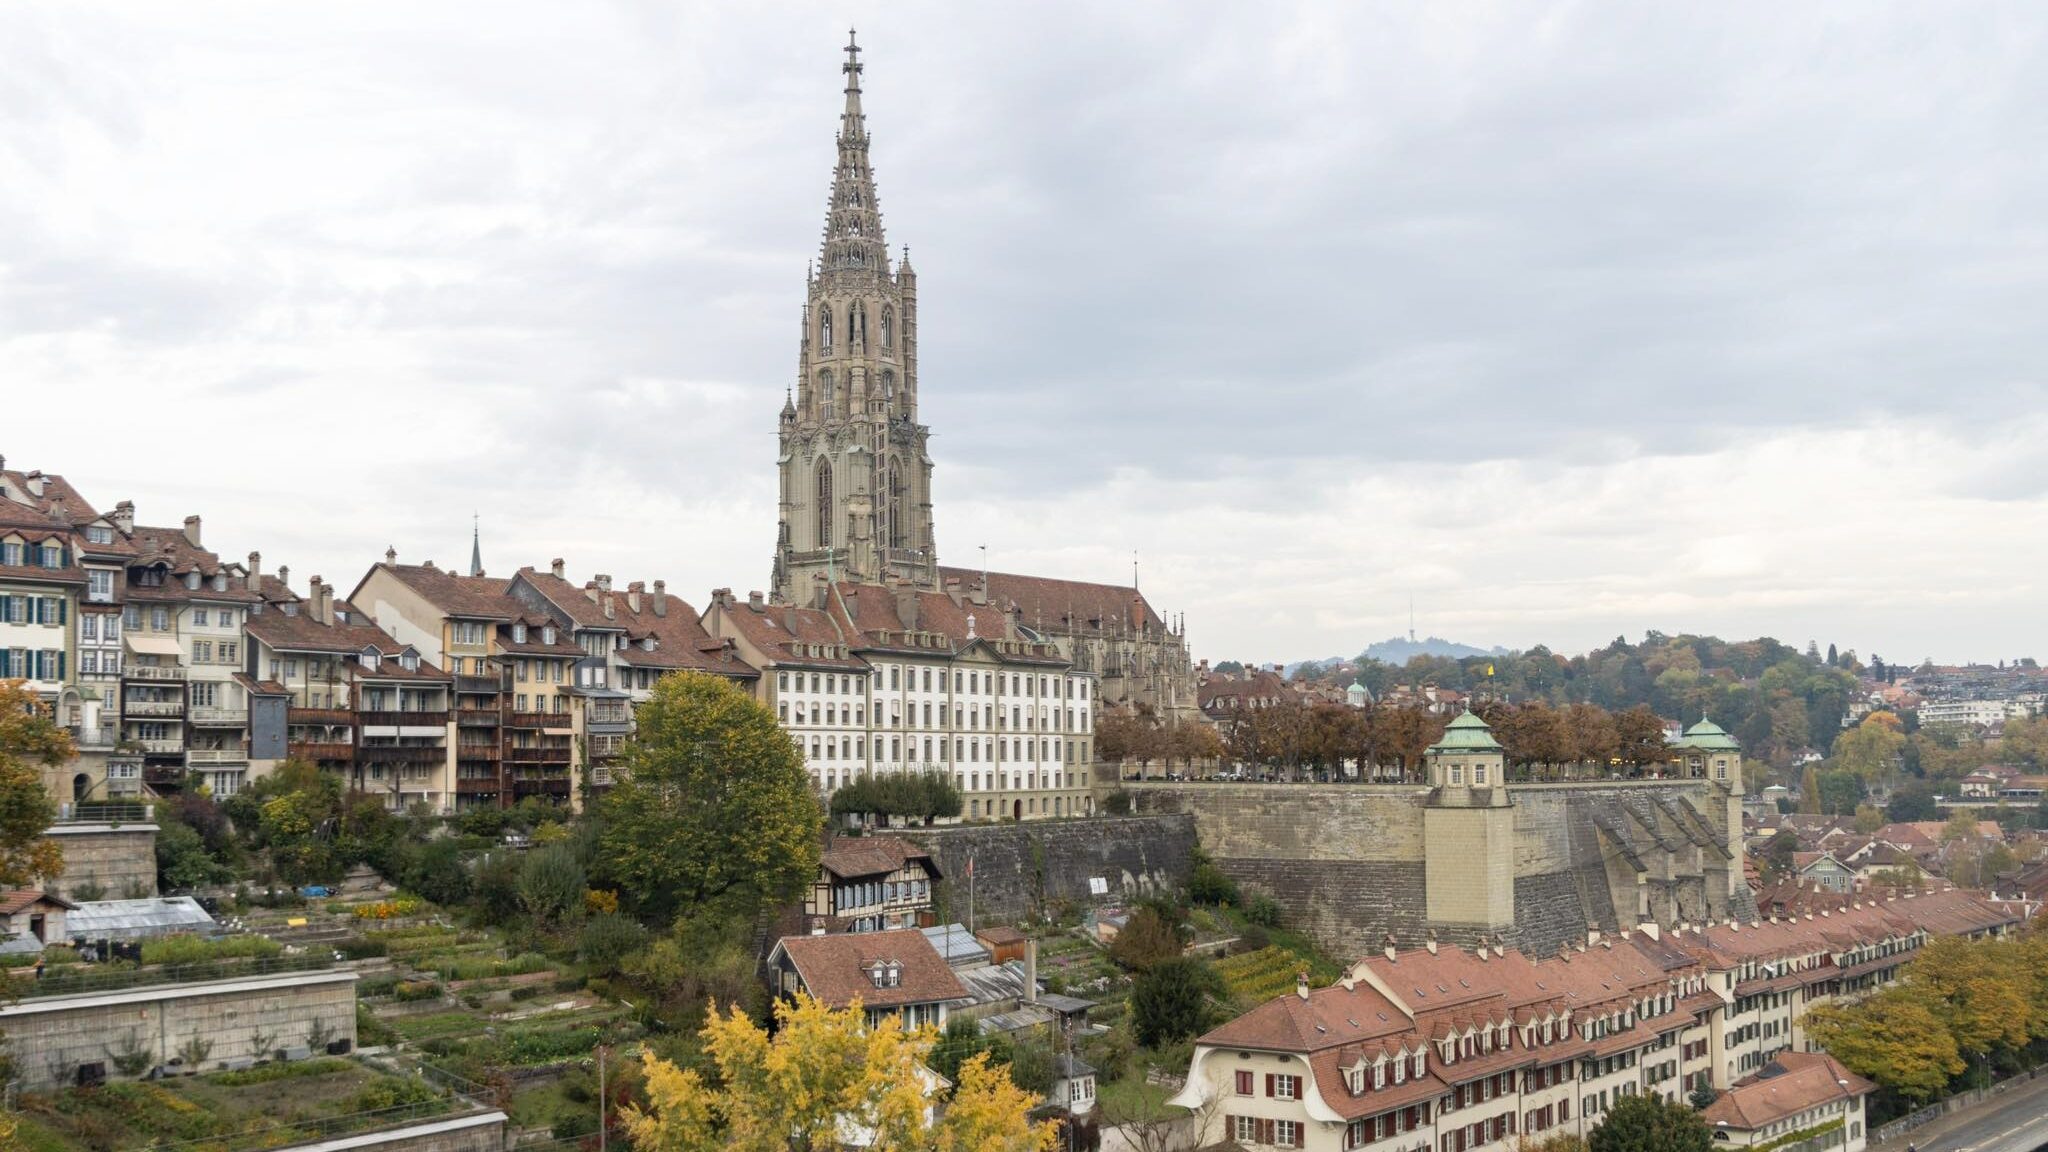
(854,472)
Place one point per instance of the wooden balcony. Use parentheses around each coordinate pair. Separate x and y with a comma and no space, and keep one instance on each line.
(152,707)
(540,720)
(316,750)
(148,672)
(220,717)
(477,717)
(212,757)
(549,786)
(476,752)
(319,716)
(400,754)
(403,719)
(479,685)
(478,785)
(537,755)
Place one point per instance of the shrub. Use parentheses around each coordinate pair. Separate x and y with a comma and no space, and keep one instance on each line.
(1208,885)
(362,948)
(1170,1002)
(189,949)
(413,991)
(607,939)
(1263,911)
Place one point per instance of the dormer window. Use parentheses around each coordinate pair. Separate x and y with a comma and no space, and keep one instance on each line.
(647,644)
(192,580)
(99,534)
(1421,1066)
(547,634)
(220,581)
(410,661)
(519,633)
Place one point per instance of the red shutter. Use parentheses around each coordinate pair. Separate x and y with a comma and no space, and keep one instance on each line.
(1266,1126)
(1269,1088)
(1299,1133)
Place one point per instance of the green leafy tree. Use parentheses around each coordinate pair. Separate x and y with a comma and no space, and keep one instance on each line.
(551,885)
(715,809)
(1170,1001)
(1840,793)
(182,861)
(607,940)
(1650,1124)
(1912,801)
(440,873)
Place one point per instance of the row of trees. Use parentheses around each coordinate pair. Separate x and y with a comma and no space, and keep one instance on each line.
(1776,700)
(1292,736)
(914,796)
(1963,1011)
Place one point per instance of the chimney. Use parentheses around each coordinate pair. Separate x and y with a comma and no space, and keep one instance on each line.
(555,566)
(590,590)
(1650,929)
(633,592)
(192,531)
(789,620)
(284,576)
(906,607)
(34,482)
(953,590)
(661,597)
(1431,942)
(255,571)
(318,595)
(756,601)
(124,516)
(1301,985)
(821,591)
(610,609)
(391,554)
(1391,948)
(1592,936)
(604,582)
(1031,971)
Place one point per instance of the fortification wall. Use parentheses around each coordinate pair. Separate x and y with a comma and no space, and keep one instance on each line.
(1021,869)
(478,1132)
(1353,864)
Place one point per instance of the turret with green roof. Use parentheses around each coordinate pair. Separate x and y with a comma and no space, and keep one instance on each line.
(1467,756)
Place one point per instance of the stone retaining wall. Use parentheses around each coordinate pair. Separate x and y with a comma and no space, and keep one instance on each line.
(1023,869)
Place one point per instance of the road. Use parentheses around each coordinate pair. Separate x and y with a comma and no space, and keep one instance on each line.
(2014,1122)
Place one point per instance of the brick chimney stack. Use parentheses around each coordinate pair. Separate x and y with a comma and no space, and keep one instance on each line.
(192,531)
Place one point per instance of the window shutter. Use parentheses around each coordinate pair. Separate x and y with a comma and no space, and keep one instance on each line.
(62,606)
(1269,1083)
(1299,1133)
(61,654)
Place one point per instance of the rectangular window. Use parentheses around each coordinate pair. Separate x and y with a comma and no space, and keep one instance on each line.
(1244,1082)
(1286,1087)
(1287,1133)
(99,586)
(199,617)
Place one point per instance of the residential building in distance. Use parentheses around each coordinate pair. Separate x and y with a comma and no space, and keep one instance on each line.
(360,703)
(1450,1049)
(1796,1092)
(872,884)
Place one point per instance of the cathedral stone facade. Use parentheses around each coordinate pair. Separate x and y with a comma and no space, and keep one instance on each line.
(855,473)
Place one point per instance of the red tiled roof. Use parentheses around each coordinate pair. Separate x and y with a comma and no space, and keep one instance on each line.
(1792,1083)
(835,969)
(469,597)
(853,856)
(1061,606)
(20,899)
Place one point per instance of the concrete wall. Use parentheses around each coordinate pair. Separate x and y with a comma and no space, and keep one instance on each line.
(1353,864)
(120,858)
(1020,869)
(50,1036)
(481,1132)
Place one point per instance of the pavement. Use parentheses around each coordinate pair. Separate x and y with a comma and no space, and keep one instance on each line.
(2016,1121)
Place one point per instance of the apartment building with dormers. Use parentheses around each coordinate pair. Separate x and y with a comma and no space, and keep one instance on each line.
(359,702)
(1449,1049)
(877,680)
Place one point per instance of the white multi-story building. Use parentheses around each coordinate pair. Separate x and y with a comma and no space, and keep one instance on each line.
(1978,713)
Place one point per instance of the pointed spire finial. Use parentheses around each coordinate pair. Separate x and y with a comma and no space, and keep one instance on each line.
(476,545)
(852,65)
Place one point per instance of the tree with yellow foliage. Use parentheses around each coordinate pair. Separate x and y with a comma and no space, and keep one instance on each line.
(30,740)
(823,1080)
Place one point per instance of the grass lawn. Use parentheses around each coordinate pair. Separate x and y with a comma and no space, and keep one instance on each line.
(1132,1098)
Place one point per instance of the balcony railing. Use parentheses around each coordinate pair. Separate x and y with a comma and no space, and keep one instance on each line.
(477,717)
(94,738)
(472,785)
(479,752)
(315,750)
(226,716)
(479,685)
(551,786)
(161,747)
(149,672)
(602,777)
(210,756)
(90,813)
(400,754)
(403,719)
(537,755)
(319,716)
(153,707)
(540,720)
(608,716)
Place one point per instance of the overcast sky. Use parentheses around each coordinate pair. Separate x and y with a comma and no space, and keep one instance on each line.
(1568,321)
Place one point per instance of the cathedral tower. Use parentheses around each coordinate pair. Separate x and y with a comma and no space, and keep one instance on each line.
(855,476)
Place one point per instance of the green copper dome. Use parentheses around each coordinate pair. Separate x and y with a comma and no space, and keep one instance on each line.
(1708,736)
(1466,733)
